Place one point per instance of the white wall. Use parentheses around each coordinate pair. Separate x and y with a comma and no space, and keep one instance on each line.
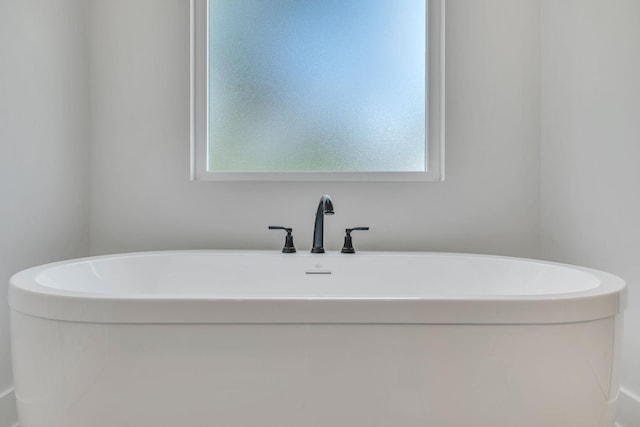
(44,147)
(590,174)
(142,198)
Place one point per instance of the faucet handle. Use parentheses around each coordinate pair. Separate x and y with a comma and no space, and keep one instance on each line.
(289,248)
(347,248)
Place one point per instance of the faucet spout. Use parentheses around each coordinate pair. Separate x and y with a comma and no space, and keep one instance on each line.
(325,207)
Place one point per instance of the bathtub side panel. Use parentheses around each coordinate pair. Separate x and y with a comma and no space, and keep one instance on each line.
(78,374)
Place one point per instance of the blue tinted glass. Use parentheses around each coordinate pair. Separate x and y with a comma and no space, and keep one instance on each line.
(317,85)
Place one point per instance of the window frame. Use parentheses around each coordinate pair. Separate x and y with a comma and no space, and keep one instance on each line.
(435,111)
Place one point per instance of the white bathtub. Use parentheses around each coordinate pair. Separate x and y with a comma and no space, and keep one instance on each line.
(243,339)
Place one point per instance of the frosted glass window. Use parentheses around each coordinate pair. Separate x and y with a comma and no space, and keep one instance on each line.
(317,86)
(321,90)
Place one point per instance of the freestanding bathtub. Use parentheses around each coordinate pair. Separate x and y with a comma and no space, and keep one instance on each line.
(244,339)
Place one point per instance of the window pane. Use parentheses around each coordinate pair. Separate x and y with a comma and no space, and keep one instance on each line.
(317,85)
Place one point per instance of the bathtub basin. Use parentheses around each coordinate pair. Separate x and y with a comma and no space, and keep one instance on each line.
(242,338)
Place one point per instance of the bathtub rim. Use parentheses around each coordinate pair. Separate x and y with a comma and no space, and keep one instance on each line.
(605,300)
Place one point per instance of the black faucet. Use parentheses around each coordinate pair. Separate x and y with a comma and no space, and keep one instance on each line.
(347,248)
(325,207)
(289,248)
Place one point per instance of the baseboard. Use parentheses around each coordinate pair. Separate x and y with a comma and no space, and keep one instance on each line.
(8,415)
(627,409)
